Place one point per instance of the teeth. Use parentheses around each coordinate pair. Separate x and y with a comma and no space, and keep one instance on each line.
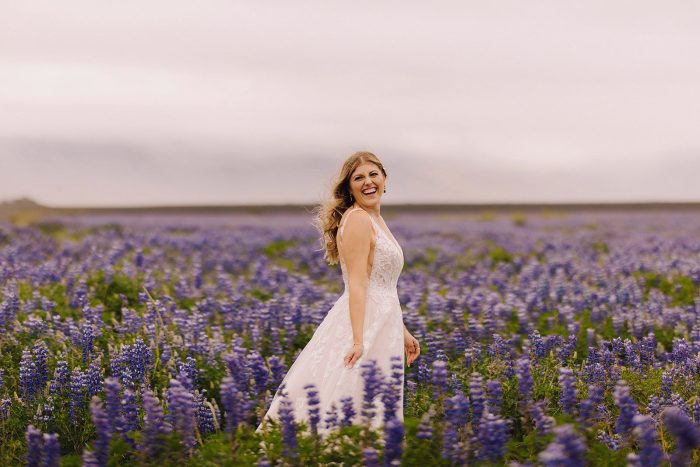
(374,190)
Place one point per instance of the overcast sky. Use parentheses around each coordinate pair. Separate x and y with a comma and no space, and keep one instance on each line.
(182,102)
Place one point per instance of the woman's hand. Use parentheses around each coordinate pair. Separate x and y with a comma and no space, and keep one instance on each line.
(352,355)
(411,347)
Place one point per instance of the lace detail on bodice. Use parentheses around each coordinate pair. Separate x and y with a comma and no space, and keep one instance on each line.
(387,263)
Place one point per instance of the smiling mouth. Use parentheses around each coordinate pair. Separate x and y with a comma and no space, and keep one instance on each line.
(369,192)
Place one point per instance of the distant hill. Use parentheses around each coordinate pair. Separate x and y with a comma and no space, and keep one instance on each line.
(18,204)
(25,211)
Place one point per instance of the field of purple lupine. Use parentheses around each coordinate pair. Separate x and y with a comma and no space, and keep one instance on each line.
(547,339)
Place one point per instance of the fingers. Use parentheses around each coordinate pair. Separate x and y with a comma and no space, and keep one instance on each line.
(347,358)
(412,352)
(351,358)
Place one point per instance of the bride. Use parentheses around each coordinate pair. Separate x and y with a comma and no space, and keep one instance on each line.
(365,325)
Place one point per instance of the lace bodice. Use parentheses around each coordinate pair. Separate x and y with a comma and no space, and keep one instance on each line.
(387,263)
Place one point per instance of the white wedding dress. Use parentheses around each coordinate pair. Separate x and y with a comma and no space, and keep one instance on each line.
(321,361)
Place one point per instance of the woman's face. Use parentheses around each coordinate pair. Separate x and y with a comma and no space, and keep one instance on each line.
(367,184)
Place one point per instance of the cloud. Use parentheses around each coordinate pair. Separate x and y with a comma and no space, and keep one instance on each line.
(510,100)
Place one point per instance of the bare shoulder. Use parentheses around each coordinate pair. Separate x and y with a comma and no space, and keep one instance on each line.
(357,224)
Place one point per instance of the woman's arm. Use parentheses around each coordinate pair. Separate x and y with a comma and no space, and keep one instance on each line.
(356,245)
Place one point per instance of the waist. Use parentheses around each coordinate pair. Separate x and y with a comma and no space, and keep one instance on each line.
(376,291)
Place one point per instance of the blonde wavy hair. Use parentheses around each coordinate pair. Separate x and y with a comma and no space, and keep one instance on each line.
(327,215)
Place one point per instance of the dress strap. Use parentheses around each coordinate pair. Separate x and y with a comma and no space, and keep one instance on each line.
(345,219)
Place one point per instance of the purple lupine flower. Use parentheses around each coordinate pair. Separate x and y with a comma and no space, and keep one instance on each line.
(492,437)
(131,364)
(277,371)
(567,449)
(154,424)
(595,373)
(373,381)
(27,375)
(647,349)
(185,380)
(686,434)
(93,379)
(370,457)
(103,429)
(568,348)
(130,411)
(9,308)
(423,373)
(188,370)
(611,441)
(87,339)
(331,417)
(588,411)
(347,405)
(235,403)
(258,369)
(314,409)
(456,383)
(650,453)
(627,406)
(45,411)
(476,393)
(411,388)
(289,429)
(666,384)
(499,348)
(468,358)
(113,404)
(77,392)
(425,428)
(439,378)
(657,404)
(457,410)
(5,405)
(393,448)
(2,380)
(537,344)
(525,381)
(51,454)
(41,354)
(204,414)
(34,446)
(165,353)
(696,411)
(494,390)
(680,352)
(392,388)
(89,459)
(543,422)
(456,414)
(181,406)
(567,398)
(61,377)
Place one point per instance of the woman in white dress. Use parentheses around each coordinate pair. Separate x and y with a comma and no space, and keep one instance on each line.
(366,321)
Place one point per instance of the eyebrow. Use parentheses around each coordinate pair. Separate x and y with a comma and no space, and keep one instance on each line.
(362,175)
